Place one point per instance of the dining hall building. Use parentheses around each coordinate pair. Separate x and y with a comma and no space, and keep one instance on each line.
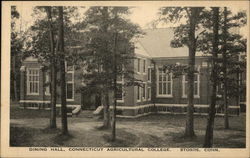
(160,92)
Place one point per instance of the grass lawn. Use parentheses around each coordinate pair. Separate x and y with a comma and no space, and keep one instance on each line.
(29,128)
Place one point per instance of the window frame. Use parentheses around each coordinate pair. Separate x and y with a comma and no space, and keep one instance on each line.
(138,89)
(139,65)
(184,86)
(122,84)
(28,82)
(149,93)
(149,76)
(70,82)
(144,64)
(48,87)
(144,91)
(171,85)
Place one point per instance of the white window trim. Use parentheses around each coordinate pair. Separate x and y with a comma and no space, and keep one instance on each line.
(47,80)
(121,82)
(183,86)
(73,80)
(27,82)
(141,66)
(164,95)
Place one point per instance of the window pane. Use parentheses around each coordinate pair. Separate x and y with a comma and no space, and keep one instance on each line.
(69,77)
(195,77)
(69,68)
(149,74)
(169,88)
(186,87)
(119,78)
(144,65)
(149,92)
(143,91)
(160,77)
(160,88)
(31,89)
(196,88)
(164,77)
(69,91)
(138,93)
(138,66)
(164,88)
(169,77)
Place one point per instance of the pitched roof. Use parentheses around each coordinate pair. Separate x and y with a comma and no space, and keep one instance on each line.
(156,43)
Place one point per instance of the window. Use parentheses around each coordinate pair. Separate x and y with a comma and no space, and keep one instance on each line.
(47,82)
(149,93)
(138,93)
(144,91)
(138,65)
(120,75)
(144,66)
(33,81)
(164,83)
(70,82)
(149,74)
(219,90)
(196,85)
(119,92)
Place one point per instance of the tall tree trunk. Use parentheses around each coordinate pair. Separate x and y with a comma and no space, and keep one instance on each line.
(224,54)
(52,72)
(106,110)
(106,113)
(113,138)
(189,131)
(62,74)
(210,121)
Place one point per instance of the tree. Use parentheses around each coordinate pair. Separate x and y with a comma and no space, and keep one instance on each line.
(16,54)
(44,44)
(225,49)
(110,36)
(52,70)
(214,79)
(185,34)
(62,73)
(232,45)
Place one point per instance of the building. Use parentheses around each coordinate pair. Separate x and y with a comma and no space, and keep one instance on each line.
(160,91)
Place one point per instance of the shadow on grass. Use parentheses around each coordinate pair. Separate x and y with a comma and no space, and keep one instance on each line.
(20,136)
(102,128)
(60,139)
(49,130)
(123,139)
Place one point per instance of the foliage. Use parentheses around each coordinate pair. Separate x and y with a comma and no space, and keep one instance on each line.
(39,32)
(16,53)
(102,24)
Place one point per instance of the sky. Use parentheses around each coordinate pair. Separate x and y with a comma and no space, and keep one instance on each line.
(141,14)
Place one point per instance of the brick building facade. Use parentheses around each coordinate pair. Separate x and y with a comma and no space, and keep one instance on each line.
(160,91)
